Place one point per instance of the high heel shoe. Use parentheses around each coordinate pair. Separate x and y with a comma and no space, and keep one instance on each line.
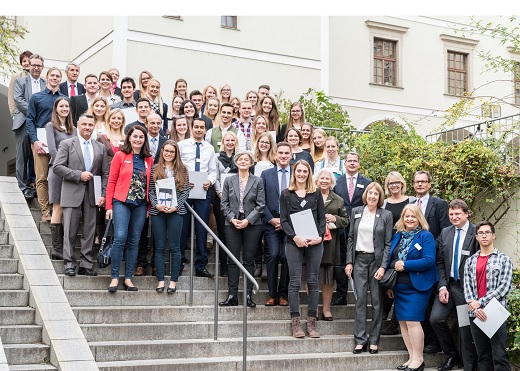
(171,290)
(420,368)
(326,318)
(359,350)
(159,289)
(402,367)
(373,350)
(112,288)
(129,288)
(231,301)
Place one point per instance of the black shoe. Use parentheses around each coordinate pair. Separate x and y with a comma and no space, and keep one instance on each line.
(420,368)
(185,260)
(70,272)
(451,363)
(130,288)
(204,273)
(171,290)
(373,351)
(340,300)
(231,301)
(359,350)
(112,288)
(159,289)
(432,348)
(28,194)
(402,367)
(250,303)
(391,329)
(258,270)
(86,272)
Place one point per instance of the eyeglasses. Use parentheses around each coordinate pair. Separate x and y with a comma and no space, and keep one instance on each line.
(352,161)
(421,182)
(37,65)
(394,184)
(296,111)
(167,151)
(484,233)
(262,142)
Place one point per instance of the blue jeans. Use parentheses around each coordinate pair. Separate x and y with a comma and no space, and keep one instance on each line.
(126,215)
(167,225)
(201,207)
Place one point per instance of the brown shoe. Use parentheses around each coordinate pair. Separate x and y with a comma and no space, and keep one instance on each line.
(271,302)
(311,327)
(283,302)
(296,328)
(139,271)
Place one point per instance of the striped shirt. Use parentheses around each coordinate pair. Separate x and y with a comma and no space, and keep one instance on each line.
(499,275)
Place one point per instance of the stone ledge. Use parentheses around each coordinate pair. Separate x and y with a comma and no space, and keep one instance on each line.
(3,359)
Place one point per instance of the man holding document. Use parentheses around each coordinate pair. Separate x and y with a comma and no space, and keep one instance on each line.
(487,276)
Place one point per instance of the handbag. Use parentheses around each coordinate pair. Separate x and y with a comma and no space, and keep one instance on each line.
(389,278)
(103,256)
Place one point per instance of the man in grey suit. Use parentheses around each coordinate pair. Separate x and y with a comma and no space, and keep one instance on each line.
(24,88)
(78,160)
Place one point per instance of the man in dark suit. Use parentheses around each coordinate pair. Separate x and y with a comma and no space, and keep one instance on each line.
(350,188)
(79,104)
(155,141)
(196,97)
(78,160)
(275,181)
(24,88)
(72,87)
(455,244)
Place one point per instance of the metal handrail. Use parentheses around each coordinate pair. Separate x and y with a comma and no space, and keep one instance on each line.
(247,275)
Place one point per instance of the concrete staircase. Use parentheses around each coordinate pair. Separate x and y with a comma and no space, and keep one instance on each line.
(21,337)
(145,330)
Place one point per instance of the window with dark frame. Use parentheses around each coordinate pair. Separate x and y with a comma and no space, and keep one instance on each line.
(228,21)
(385,62)
(457,73)
(516,83)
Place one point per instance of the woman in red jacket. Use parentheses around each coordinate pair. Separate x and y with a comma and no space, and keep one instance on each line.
(127,201)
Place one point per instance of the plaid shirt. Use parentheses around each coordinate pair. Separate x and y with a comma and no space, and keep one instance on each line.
(499,273)
(246,130)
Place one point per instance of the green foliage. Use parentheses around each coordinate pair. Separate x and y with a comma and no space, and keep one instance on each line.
(9,51)
(513,322)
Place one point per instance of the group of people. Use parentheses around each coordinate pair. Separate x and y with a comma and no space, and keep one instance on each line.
(91,165)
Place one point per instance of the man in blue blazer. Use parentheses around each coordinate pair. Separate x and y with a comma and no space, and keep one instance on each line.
(275,181)
(72,87)
(350,188)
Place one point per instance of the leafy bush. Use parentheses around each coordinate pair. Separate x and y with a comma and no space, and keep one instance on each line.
(513,322)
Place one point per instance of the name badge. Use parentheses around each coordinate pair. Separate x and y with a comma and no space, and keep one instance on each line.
(465,252)
(303,203)
(356,216)
(219,143)
(197,160)
(377,215)
(128,162)
(418,247)
(360,186)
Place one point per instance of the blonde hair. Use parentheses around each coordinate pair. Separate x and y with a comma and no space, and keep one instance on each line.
(319,153)
(271,154)
(90,110)
(310,186)
(395,176)
(228,133)
(418,215)
(109,128)
(158,100)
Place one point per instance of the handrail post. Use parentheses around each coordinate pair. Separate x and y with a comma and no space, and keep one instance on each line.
(244,326)
(192,240)
(215,314)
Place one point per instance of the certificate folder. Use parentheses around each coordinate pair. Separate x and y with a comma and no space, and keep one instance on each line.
(304,224)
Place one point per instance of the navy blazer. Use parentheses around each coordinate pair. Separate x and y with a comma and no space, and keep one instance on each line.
(341,189)
(272,193)
(420,260)
(436,215)
(64,88)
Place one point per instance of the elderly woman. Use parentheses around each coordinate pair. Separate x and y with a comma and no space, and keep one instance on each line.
(367,256)
(243,202)
(412,255)
(336,218)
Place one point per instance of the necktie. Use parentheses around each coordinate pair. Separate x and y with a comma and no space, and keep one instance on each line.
(419,203)
(86,153)
(197,157)
(153,147)
(283,183)
(351,188)
(456,257)
(72,91)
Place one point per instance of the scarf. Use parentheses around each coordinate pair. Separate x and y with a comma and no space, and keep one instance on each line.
(405,242)
(228,162)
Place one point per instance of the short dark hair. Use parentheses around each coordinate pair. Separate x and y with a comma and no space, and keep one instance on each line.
(91,75)
(423,172)
(142,99)
(130,80)
(195,92)
(25,54)
(197,119)
(483,223)
(87,115)
(226,105)
(459,204)
(264,87)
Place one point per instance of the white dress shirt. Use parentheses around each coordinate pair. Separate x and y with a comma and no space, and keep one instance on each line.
(424,203)
(463,232)
(188,149)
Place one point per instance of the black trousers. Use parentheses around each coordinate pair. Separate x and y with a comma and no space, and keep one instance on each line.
(492,353)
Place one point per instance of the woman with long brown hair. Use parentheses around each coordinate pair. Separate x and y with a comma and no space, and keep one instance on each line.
(267,107)
(100,109)
(181,88)
(296,120)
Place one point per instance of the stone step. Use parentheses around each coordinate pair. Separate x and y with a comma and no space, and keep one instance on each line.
(11,281)
(269,345)
(38,367)
(14,298)
(21,334)
(6,251)
(4,238)
(309,361)
(81,298)
(16,315)
(204,330)
(2,225)
(24,354)
(165,314)
(8,266)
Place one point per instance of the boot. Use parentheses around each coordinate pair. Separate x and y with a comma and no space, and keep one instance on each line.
(311,327)
(57,241)
(297,331)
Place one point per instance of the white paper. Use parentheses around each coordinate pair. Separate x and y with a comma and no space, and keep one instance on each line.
(353,287)
(273,134)
(42,137)
(261,166)
(304,224)
(130,115)
(496,316)
(462,315)
(166,192)
(97,188)
(198,178)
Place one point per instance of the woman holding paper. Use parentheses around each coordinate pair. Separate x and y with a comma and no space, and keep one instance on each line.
(243,202)
(127,201)
(302,196)
(367,256)
(166,214)
(412,255)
